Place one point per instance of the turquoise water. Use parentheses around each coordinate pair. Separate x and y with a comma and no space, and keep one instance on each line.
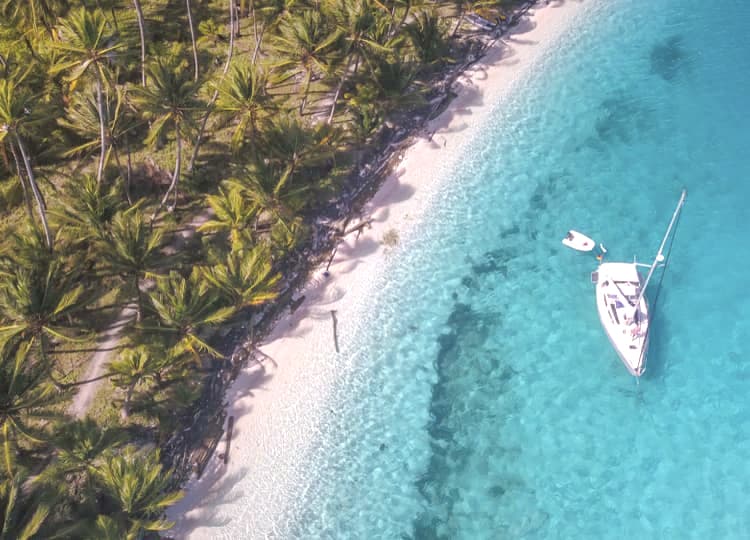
(486,401)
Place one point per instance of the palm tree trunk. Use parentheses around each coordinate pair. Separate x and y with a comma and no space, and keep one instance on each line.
(255,27)
(192,39)
(102,128)
(125,411)
(177,166)
(257,43)
(41,207)
(210,105)
(338,91)
(129,170)
(138,299)
(8,450)
(305,92)
(26,197)
(142,32)
(176,175)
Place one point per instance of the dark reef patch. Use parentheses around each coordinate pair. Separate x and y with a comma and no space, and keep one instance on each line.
(622,119)
(463,360)
(668,58)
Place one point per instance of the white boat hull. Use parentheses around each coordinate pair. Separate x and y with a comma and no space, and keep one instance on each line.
(626,324)
(578,241)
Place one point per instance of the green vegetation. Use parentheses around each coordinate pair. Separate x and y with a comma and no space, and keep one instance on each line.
(171,158)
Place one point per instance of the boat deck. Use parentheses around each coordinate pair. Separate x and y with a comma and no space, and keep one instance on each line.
(617,290)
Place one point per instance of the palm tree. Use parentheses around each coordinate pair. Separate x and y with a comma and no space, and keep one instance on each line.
(27,402)
(359,24)
(428,38)
(135,366)
(81,442)
(242,96)
(31,13)
(132,249)
(22,514)
(184,307)
(234,214)
(460,8)
(296,150)
(268,12)
(136,487)
(19,115)
(391,86)
(304,44)
(246,277)
(26,247)
(214,97)
(78,446)
(398,11)
(87,210)
(82,118)
(169,102)
(106,528)
(40,303)
(90,44)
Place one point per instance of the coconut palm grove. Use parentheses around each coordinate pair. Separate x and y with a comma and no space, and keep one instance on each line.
(169,171)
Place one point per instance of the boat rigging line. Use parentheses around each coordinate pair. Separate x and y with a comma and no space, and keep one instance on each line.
(652,310)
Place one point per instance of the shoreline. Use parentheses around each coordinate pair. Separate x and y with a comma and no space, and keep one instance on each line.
(277,404)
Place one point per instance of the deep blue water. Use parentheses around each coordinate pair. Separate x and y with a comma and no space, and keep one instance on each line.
(486,401)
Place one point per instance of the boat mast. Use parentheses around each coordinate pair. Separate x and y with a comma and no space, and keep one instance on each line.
(659,256)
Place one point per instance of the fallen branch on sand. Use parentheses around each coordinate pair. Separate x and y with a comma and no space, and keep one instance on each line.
(335,333)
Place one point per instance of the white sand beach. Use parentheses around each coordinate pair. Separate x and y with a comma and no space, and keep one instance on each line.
(277,407)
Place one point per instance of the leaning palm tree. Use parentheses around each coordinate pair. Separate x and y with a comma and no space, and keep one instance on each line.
(360,24)
(210,105)
(246,277)
(136,486)
(304,45)
(89,45)
(20,114)
(169,102)
(243,97)
(22,513)
(132,249)
(27,402)
(184,307)
(265,15)
(82,119)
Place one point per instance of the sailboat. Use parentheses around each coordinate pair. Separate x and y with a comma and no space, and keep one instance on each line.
(621,303)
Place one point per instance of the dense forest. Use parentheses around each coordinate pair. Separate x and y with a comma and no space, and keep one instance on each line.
(162,164)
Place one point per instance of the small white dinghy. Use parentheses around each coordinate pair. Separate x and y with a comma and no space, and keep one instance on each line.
(578,241)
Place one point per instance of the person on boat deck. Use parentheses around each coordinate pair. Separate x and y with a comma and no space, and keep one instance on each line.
(569,236)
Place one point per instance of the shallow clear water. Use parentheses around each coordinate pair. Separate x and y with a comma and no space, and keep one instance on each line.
(485,400)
